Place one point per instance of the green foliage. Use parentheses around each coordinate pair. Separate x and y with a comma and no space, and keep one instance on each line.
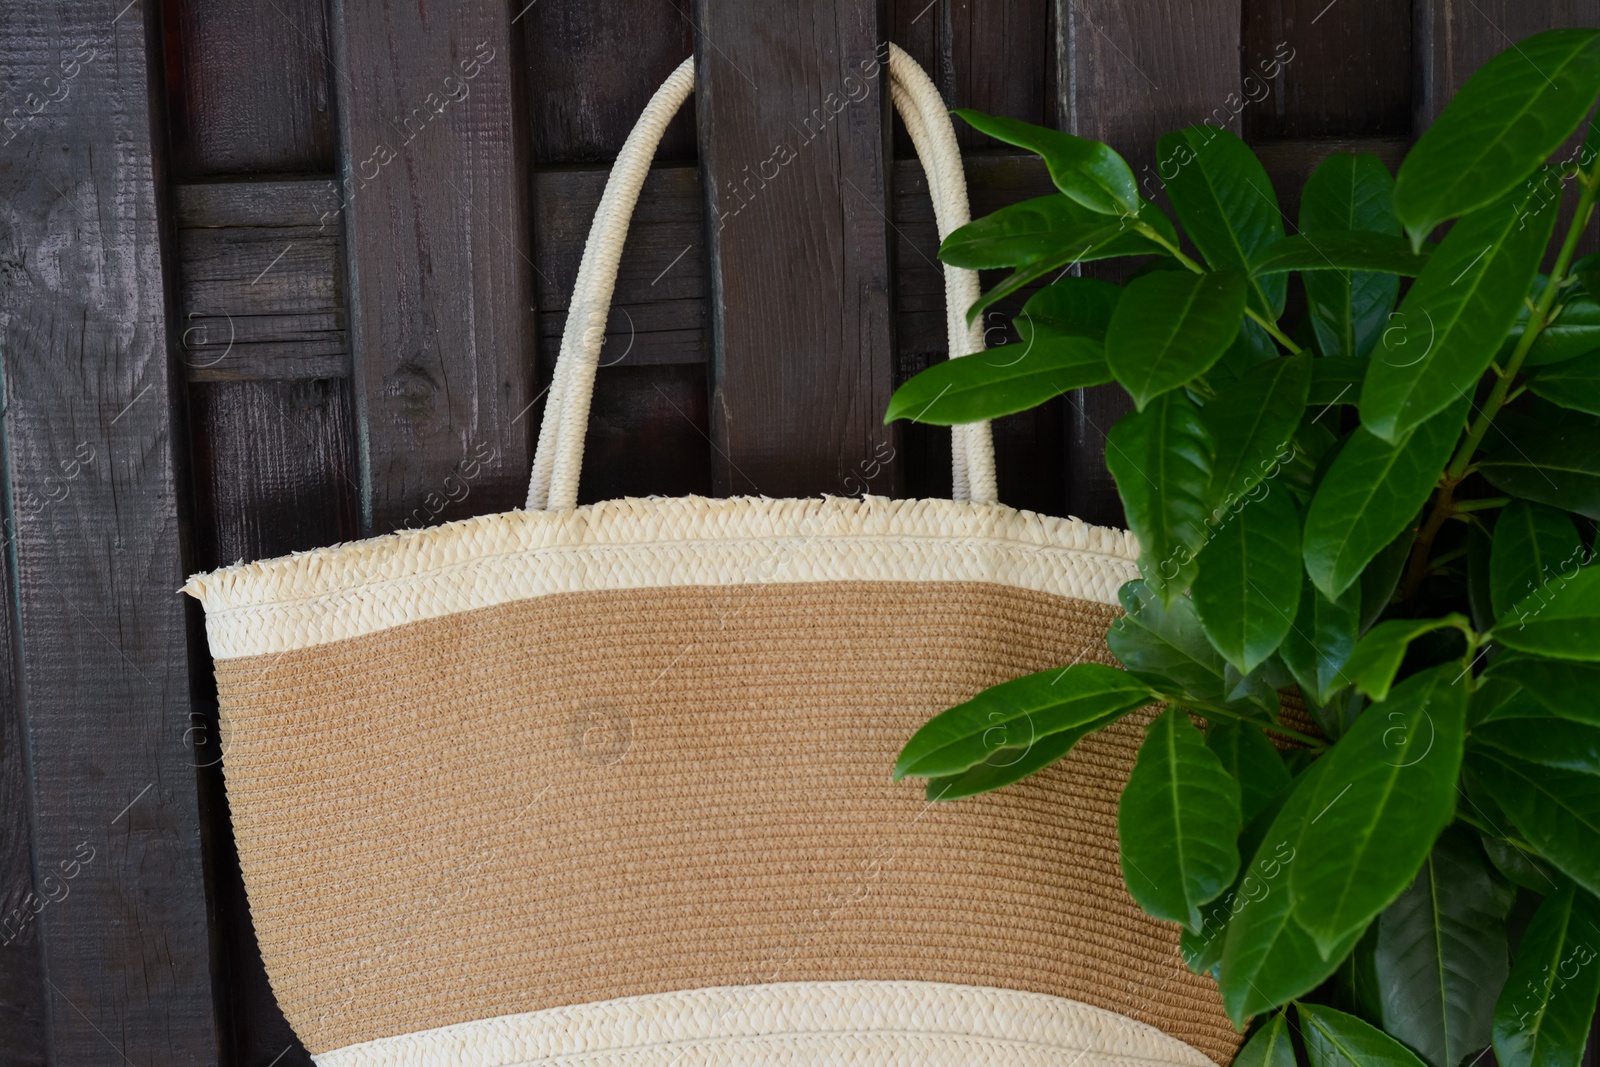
(1390,509)
(1543,1013)
(1178,822)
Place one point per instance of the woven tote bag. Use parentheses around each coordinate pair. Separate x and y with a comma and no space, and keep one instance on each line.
(610,785)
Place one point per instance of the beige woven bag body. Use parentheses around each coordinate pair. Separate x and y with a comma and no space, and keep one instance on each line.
(610,785)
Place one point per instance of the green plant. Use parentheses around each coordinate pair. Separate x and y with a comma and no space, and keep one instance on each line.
(1387,507)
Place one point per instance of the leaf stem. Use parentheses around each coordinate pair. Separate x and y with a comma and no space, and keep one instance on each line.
(1207,711)
(1484,504)
(1151,233)
(1444,503)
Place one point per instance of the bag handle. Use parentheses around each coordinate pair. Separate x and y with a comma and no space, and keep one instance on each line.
(559,458)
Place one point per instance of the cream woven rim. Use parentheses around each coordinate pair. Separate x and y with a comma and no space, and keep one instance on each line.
(559,459)
(801,1024)
(332,594)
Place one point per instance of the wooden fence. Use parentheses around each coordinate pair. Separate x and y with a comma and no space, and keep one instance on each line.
(279,273)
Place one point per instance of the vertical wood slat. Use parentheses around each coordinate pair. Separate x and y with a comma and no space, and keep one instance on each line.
(247,86)
(795,182)
(996,57)
(1349,75)
(440,282)
(22,989)
(90,406)
(1129,71)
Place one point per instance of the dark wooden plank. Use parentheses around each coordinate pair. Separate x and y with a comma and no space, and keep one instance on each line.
(658,313)
(648,434)
(247,86)
(591,67)
(272,468)
(260,293)
(436,223)
(1317,69)
(994,55)
(23,993)
(105,678)
(1128,71)
(802,351)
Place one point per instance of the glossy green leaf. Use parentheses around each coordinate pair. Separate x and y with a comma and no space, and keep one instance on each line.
(1253,422)
(1379,652)
(1498,697)
(1178,822)
(1388,790)
(1271,1046)
(1076,306)
(1450,323)
(1382,576)
(1268,959)
(1087,171)
(987,385)
(1324,635)
(1501,125)
(1560,619)
(1086,246)
(1546,454)
(1163,644)
(1249,350)
(1202,949)
(1253,760)
(1518,866)
(1573,331)
(1372,492)
(1023,234)
(1248,587)
(1349,310)
(1544,738)
(1161,459)
(1441,953)
(1341,250)
(1565,688)
(1016,714)
(1334,1039)
(1557,811)
(1336,380)
(1009,766)
(1226,203)
(1543,1015)
(1170,327)
(1532,543)
(1574,384)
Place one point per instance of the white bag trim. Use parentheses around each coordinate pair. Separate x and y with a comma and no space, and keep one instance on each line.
(559,457)
(797,1024)
(345,591)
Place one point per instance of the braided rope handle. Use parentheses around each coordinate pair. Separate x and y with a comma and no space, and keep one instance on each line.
(559,458)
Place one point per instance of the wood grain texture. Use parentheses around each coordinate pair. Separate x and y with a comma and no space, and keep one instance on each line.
(793,142)
(993,55)
(23,993)
(648,433)
(1128,71)
(440,278)
(105,677)
(1349,75)
(1290,162)
(659,310)
(272,468)
(260,286)
(591,67)
(247,86)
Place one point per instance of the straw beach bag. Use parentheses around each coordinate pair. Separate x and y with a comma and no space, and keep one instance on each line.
(611,784)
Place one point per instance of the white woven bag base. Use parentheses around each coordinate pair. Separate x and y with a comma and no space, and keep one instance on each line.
(793,1024)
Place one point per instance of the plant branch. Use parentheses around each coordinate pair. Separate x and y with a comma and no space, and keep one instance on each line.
(1444,503)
